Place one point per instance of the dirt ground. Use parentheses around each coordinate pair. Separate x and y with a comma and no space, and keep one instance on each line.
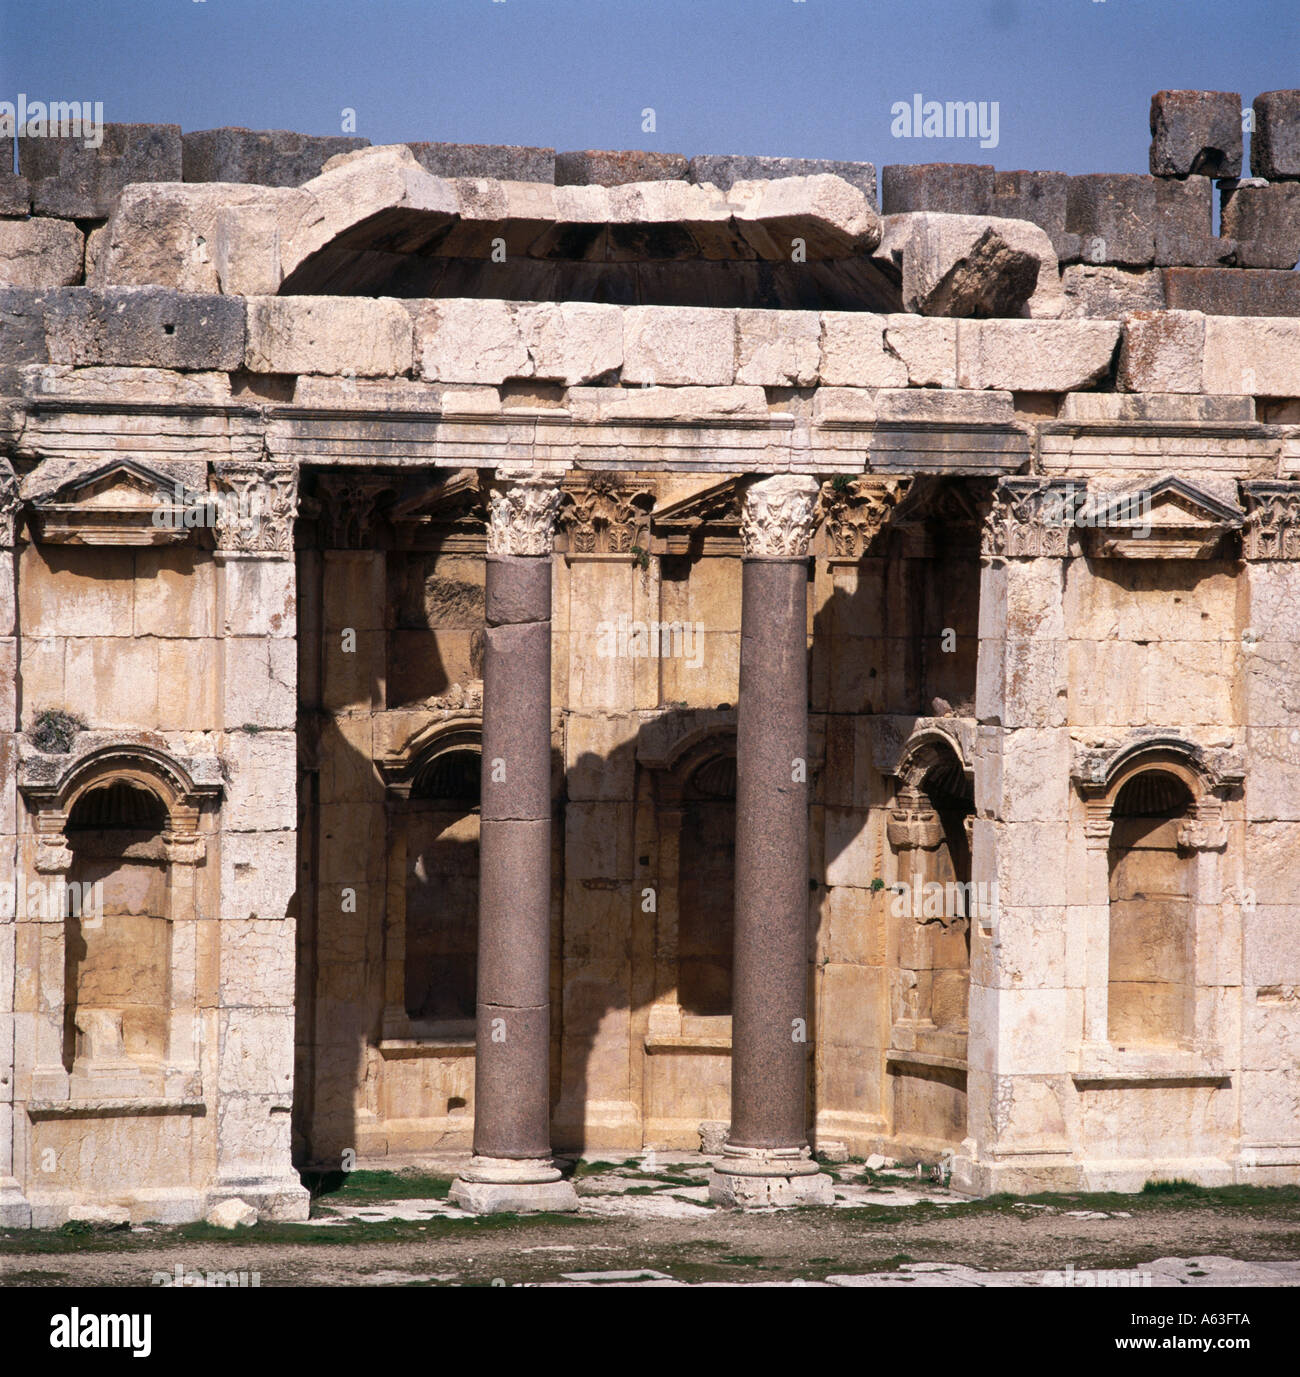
(650,1220)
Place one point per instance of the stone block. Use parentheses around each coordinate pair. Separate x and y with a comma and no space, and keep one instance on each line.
(676,345)
(1114,215)
(259,875)
(260,682)
(501,162)
(571,342)
(74,182)
(1035,355)
(1232,291)
(1196,133)
(1163,351)
(967,266)
(258,597)
(232,1214)
(721,170)
(15,193)
(22,333)
(1184,225)
(196,238)
(952,188)
(927,348)
(256,1051)
(263,782)
(1252,357)
(777,348)
(1038,197)
(1275,142)
(40,253)
(472,341)
(1265,222)
(609,167)
(145,327)
(268,157)
(329,334)
(1095,292)
(483,1197)
(854,353)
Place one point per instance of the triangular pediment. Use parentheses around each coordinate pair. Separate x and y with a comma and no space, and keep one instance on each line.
(1169,519)
(116,502)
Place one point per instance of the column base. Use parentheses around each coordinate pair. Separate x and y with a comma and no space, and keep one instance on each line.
(757,1178)
(284,1200)
(500,1185)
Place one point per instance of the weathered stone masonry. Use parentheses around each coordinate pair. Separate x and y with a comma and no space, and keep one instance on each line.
(459,602)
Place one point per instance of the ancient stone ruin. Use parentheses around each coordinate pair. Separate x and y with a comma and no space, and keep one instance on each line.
(520,652)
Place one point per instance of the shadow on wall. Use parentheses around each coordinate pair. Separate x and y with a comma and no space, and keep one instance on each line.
(384,1007)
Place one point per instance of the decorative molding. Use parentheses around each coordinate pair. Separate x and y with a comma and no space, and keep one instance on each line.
(522,511)
(778,516)
(1272,529)
(1098,769)
(52,782)
(602,515)
(256,506)
(9,504)
(913,824)
(854,512)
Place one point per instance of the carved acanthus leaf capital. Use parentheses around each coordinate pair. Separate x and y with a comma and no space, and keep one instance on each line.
(521,514)
(256,506)
(1028,519)
(856,511)
(778,517)
(1272,529)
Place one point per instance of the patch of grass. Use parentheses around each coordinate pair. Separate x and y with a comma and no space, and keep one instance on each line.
(33,1278)
(582,1169)
(1174,1186)
(354,1187)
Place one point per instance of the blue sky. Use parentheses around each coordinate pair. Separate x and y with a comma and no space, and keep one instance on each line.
(800,78)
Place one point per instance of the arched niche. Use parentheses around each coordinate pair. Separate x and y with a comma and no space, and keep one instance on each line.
(116,839)
(932,907)
(431,923)
(1151,893)
(1159,925)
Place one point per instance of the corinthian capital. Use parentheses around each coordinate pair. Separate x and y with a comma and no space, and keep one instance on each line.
(778,516)
(521,514)
(256,506)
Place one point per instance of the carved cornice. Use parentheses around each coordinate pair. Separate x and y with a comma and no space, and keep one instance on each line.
(778,517)
(1272,529)
(1027,519)
(256,506)
(521,514)
(603,516)
(855,512)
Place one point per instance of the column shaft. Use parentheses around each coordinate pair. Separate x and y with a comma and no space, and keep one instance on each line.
(768,1064)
